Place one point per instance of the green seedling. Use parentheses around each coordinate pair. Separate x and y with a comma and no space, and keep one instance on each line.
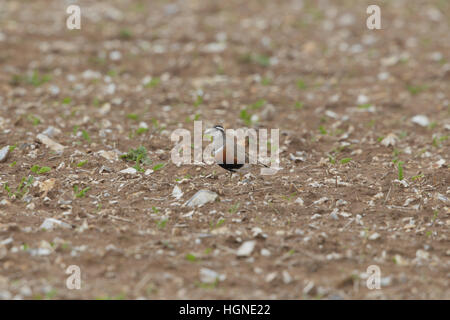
(40,170)
(22,189)
(158,166)
(400,170)
(190,257)
(301,85)
(246,117)
(125,34)
(86,136)
(266,81)
(141,130)
(198,101)
(81,163)
(80,193)
(133,116)
(234,208)
(258,104)
(153,83)
(34,120)
(299,105)
(161,224)
(36,79)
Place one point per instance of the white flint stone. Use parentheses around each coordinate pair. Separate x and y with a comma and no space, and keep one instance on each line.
(4,153)
(246,248)
(421,120)
(50,223)
(129,171)
(177,193)
(201,198)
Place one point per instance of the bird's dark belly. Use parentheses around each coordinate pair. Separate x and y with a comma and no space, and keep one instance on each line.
(231,166)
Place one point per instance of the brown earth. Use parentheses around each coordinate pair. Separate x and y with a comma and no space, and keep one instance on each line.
(312,69)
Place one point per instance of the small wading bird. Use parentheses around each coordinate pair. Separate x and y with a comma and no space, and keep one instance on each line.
(230,161)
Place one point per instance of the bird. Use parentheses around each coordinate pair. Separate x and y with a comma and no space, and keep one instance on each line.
(227,161)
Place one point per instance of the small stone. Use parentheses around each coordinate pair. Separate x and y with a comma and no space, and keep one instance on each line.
(331,114)
(31,206)
(201,198)
(25,291)
(399,260)
(374,236)
(441,197)
(50,223)
(333,214)
(258,233)
(45,249)
(264,252)
(316,216)
(422,254)
(104,169)
(308,288)
(7,241)
(108,155)
(115,55)
(177,193)
(5,295)
(246,248)
(321,200)
(143,125)
(214,47)
(4,153)
(341,202)
(362,99)
(89,74)
(436,56)
(129,171)
(421,120)
(49,143)
(379,195)
(298,157)
(286,277)
(300,201)
(438,164)
(104,110)
(389,140)
(51,132)
(221,230)
(271,276)
(385,281)
(210,276)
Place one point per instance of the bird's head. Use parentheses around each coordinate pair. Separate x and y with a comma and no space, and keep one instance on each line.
(215,130)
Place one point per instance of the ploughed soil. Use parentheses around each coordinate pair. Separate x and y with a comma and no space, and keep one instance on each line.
(364,120)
